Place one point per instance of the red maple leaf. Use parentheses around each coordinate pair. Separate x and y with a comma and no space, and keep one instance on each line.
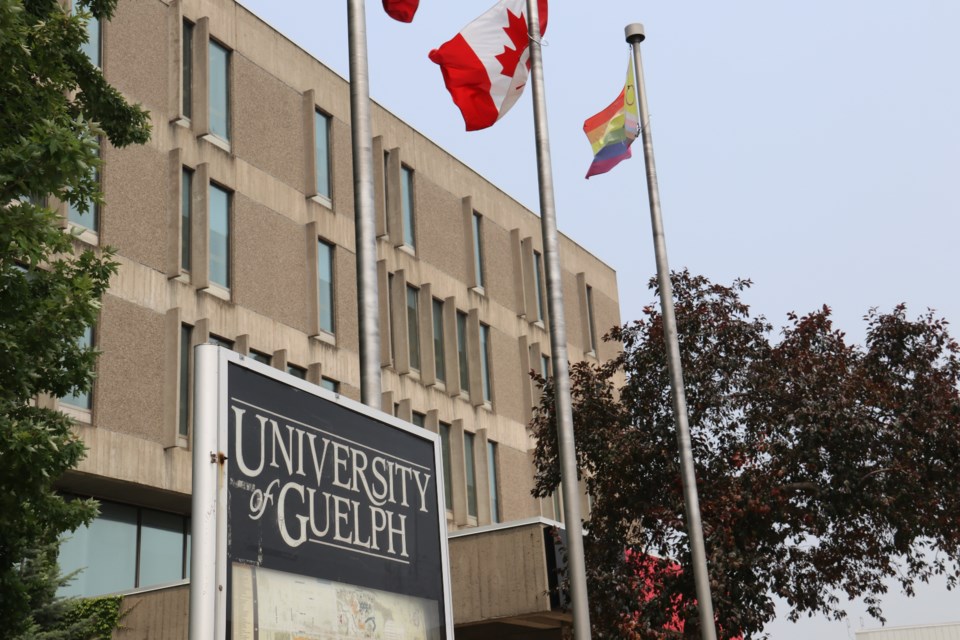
(517,31)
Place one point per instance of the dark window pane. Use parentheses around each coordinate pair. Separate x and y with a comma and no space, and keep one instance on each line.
(470,468)
(413,326)
(186,336)
(439,359)
(186,214)
(187,94)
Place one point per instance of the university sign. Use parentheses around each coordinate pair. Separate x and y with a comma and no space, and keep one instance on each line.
(326,514)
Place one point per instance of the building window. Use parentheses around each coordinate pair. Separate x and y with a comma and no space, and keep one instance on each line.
(325,284)
(220,342)
(413,326)
(259,357)
(126,547)
(186,95)
(81,399)
(462,351)
(186,339)
(219,236)
(545,369)
(406,195)
(485,362)
(492,475)
(186,214)
(470,468)
(297,372)
(330,384)
(219,91)
(445,459)
(439,355)
(86,215)
(419,420)
(477,249)
(538,283)
(591,326)
(93,46)
(321,132)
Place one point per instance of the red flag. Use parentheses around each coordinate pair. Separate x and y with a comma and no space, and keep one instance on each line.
(485,66)
(401,10)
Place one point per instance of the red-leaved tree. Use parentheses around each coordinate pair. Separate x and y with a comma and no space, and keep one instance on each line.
(823,467)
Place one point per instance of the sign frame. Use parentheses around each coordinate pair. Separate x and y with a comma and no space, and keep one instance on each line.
(209,596)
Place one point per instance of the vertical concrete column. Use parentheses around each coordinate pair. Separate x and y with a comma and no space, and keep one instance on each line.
(383,302)
(519,286)
(175,60)
(315,373)
(466,215)
(379,187)
(279,359)
(394,204)
(171,378)
(481,464)
(405,410)
(428,367)
(473,357)
(310,142)
(451,360)
(313,280)
(201,77)
(175,230)
(458,483)
(529,279)
(398,316)
(200,227)
(386,402)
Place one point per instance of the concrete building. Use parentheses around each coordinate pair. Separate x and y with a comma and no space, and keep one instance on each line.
(234,224)
(946,631)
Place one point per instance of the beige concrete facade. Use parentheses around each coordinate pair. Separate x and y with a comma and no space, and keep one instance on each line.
(276,217)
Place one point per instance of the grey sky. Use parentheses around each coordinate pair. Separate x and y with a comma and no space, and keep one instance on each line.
(813,147)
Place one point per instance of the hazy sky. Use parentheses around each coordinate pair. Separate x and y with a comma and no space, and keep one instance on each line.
(813,147)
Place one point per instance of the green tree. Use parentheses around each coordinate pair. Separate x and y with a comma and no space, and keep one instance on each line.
(823,467)
(54,106)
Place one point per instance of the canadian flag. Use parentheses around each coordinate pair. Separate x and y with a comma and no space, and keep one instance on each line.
(485,66)
(401,10)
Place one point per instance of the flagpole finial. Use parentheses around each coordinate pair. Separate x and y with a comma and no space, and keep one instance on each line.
(635,33)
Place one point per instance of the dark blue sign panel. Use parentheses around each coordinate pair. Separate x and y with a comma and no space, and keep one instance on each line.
(334,527)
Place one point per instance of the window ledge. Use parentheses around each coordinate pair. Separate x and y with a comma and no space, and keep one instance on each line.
(79,414)
(408,249)
(323,201)
(83,234)
(217,141)
(182,121)
(326,337)
(217,291)
(479,290)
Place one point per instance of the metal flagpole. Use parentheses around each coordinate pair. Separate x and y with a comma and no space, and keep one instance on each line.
(363,198)
(558,340)
(635,35)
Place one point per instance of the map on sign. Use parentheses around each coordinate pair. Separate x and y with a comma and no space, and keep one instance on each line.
(275,605)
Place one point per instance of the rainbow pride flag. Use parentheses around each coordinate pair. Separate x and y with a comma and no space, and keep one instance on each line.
(611,131)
